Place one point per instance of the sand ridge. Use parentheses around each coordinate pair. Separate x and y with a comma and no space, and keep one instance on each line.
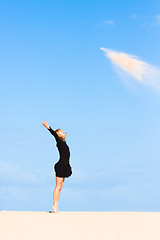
(23,225)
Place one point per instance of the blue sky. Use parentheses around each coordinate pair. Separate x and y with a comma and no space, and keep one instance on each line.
(52,69)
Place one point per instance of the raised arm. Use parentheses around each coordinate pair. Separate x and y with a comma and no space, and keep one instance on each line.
(54,134)
(51,131)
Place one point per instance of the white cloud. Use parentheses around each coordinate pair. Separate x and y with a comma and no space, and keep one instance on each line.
(108,22)
(12,193)
(131,196)
(134,16)
(157,19)
(78,173)
(143,72)
(13,173)
(105,23)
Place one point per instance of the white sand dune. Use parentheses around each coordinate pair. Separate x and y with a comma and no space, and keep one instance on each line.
(17,225)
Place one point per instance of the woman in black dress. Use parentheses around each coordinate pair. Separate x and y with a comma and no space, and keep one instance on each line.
(62,167)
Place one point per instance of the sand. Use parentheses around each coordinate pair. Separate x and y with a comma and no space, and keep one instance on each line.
(21,225)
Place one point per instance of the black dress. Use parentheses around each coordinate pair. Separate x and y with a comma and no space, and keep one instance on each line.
(62,167)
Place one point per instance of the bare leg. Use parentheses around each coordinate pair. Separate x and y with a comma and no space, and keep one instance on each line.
(56,193)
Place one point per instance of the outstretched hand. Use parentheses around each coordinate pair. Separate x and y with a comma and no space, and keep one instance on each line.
(45,124)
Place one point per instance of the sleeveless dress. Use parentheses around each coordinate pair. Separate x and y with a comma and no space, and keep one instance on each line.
(62,167)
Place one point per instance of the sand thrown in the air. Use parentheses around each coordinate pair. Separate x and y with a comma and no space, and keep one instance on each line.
(141,71)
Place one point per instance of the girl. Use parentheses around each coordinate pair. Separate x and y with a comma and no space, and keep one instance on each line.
(62,167)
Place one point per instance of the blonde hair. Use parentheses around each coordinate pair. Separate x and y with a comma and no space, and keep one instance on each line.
(61,137)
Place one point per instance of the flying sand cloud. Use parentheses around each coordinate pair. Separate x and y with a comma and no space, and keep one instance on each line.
(143,72)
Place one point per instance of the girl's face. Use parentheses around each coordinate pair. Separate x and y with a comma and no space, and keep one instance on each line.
(62,134)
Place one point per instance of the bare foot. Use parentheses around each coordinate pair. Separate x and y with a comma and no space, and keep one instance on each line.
(55,208)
